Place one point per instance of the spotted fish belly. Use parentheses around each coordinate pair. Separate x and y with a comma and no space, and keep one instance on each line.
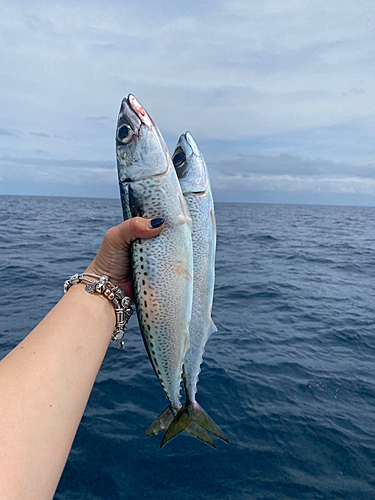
(162,275)
(201,326)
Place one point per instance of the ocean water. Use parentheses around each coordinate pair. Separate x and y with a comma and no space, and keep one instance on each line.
(289,376)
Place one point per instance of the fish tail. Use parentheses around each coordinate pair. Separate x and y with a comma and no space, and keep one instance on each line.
(198,432)
(161,422)
(164,420)
(191,413)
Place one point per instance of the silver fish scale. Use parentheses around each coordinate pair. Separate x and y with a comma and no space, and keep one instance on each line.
(162,271)
(201,210)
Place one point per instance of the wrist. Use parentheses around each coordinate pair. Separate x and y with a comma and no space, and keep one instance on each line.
(94,304)
(95,284)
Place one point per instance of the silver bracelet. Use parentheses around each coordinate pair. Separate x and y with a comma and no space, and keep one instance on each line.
(103,286)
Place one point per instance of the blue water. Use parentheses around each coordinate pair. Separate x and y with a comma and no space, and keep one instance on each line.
(289,376)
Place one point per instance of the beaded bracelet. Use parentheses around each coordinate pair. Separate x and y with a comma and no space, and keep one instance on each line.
(103,286)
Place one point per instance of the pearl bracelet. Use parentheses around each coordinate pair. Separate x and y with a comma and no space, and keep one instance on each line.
(103,286)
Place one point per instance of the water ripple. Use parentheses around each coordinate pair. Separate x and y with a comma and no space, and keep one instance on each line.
(289,375)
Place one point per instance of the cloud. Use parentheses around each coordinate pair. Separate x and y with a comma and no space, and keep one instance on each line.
(284,164)
(253,81)
(99,119)
(44,135)
(295,184)
(241,174)
(285,173)
(73,172)
(40,134)
(35,23)
(42,162)
(7,132)
(353,91)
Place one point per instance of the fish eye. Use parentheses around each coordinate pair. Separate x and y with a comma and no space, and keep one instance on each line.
(179,159)
(124,133)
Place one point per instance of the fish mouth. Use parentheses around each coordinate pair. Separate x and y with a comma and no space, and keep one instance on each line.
(192,143)
(186,147)
(139,110)
(132,116)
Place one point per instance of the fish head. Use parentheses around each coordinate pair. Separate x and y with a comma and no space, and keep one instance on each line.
(140,148)
(190,166)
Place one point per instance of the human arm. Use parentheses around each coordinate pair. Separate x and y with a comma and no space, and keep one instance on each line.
(46,380)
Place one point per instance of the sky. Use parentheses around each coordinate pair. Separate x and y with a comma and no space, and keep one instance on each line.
(279,94)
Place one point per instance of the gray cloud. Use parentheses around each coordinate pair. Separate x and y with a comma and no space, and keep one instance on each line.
(74,172)
(353,91)
(99,119)
(293,184)
(275,84)
(7,132)
(44,135)
(284,164)
(245,173)
(35,23)
(285,173)
(53,163)
(40,134)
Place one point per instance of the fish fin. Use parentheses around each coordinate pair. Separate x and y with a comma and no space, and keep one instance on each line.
(135,203)
(198,432)
(192,412)
(205,421)
(160,423)
(211,328)
(184,218)
(124,195)
(164,420)
(179,423)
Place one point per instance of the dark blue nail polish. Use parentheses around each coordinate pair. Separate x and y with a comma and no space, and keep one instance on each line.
(154,223)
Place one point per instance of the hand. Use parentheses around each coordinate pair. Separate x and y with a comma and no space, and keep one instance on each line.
(113,259)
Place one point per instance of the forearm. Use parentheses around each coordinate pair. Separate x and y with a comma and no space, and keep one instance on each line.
(45,383)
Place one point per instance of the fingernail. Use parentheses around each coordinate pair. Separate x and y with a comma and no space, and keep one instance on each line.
(154,223)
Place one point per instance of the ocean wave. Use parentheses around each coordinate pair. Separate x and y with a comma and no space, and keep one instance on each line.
(289,375)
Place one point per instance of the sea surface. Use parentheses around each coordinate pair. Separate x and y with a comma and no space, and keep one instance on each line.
(289,376)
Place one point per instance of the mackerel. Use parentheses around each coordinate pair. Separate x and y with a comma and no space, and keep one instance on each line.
(194,181)
(162,266)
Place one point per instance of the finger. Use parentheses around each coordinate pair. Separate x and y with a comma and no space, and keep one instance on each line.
(137,227)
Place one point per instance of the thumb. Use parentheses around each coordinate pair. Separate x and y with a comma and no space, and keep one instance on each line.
(131,229)
(113,258)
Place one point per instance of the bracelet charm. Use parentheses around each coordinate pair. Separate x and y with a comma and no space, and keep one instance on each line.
(90,287)
(113,293)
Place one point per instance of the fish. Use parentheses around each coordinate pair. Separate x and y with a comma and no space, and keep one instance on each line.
(162,266)
(192,173)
